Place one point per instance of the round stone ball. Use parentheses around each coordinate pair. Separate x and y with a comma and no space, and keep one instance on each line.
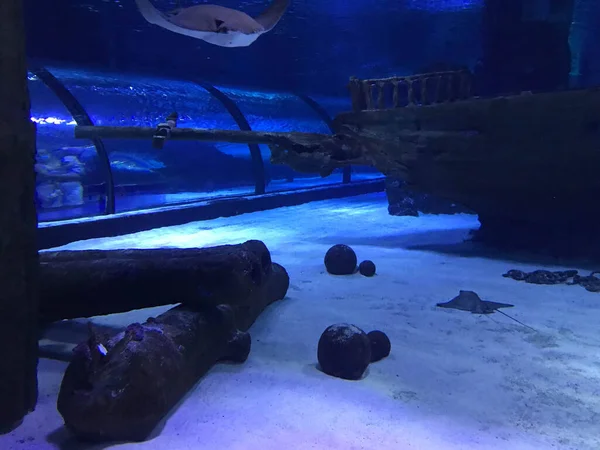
(340,260)
(344,351)
(367,268)
(380,345)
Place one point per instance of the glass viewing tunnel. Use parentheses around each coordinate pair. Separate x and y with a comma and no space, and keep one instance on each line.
(80,178)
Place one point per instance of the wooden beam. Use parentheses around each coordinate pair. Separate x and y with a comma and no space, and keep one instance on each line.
(196,134)
(18,226)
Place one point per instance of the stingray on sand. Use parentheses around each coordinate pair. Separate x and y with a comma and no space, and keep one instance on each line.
(216,24)
(470,301)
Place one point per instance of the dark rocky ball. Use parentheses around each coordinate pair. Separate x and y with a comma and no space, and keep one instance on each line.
(344,351)
(380,345)
(367,268)
(340,260)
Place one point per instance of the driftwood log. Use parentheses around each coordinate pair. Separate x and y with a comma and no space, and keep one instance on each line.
(120,388)
(18,226)
(308,152)
(98,282)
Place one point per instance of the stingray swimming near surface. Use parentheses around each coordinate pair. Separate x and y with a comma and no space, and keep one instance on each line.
(216,24)
(470,301)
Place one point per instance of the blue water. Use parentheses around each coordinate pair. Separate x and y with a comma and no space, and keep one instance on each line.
(314,49)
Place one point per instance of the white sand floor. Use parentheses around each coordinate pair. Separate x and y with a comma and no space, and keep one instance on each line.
(453,380)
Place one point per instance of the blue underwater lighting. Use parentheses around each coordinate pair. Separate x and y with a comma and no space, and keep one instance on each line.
(444,5)
(53,120)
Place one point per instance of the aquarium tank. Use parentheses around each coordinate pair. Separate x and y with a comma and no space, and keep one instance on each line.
(73,181)
(302,224)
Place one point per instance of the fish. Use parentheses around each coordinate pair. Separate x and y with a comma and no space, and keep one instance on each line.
(217,25)
(240,150)
(130,162)
(471,302)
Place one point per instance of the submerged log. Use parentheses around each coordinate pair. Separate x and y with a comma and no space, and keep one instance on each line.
(98,282)
(18,227)
(308,152)
(121,388)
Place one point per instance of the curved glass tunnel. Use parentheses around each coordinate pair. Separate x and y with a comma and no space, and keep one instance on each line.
(71,179)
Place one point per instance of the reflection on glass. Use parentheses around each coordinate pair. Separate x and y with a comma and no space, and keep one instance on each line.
(268,111)
(131,100)
(69,183)
(183,171)
(333,105)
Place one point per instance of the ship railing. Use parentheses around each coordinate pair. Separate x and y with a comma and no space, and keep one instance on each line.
(411,90)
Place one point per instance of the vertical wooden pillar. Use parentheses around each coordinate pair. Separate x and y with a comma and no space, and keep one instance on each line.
(18,226)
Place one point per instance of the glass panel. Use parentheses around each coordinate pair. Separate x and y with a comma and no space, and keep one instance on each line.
(69,183)
(281,112)
(183,171)
(333,105)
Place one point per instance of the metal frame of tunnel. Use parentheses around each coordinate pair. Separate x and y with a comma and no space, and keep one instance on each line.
(81,117)
(324,115)
(258,166)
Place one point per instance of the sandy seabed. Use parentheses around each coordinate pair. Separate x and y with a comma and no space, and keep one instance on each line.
(453,380)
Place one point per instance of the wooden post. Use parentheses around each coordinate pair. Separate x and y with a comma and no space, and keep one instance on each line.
(18,226)
(357,94)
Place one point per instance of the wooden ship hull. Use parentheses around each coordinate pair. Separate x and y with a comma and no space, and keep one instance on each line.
(529,158)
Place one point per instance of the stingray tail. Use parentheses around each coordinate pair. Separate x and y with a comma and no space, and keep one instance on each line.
(272,14)
(150,13)
(519,322)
